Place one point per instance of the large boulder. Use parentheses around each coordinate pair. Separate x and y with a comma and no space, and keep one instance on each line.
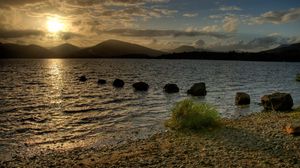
(118,83)
(82,78)
(277,102)
(198,89)
(140,86)
(242,98)
(101,81)
(171,88)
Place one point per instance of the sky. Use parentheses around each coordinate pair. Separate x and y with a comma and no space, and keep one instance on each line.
(221,25)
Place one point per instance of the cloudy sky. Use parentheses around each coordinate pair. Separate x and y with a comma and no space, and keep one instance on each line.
(248,25)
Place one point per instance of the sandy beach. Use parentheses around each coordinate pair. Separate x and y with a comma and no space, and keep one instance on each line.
(258,140)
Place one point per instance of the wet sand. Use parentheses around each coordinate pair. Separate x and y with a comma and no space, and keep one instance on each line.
(258,140)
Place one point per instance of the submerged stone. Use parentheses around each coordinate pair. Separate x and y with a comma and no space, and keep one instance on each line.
(118,83)
(198,89)
(171,88)
(242,98)
(141,86)
(82,78)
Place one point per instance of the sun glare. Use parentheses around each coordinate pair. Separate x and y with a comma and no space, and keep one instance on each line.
(55,25)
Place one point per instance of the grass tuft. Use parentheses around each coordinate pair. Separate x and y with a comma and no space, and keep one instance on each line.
(298,77)
(188,114)
(297,109)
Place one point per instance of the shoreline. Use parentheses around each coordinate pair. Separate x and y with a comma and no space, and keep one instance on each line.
(255,140)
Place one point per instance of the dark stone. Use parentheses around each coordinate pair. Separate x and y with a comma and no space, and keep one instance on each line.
(118,83)
(242,98)
(198,89)
(141,86)
(277,102)
(101,81)
(171,88)
(82,78)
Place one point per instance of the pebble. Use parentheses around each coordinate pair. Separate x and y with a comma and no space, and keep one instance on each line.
(239,143)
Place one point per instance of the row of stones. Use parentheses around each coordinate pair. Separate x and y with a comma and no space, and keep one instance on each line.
(274,102)
(198,89)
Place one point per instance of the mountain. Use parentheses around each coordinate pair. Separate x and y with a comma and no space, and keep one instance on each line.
(284,53)
(65,49)
(120,49)
(116,49)
(185,48)
(285,49)
(23,51)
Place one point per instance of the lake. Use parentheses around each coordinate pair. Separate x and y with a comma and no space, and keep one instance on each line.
(44,106)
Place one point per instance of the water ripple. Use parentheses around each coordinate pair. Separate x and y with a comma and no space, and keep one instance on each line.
(43,103)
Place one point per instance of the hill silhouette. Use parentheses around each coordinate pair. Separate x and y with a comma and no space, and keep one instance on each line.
(65,49)
(120,49)
(185,48)
(291,49)
(23,51)
(116,49)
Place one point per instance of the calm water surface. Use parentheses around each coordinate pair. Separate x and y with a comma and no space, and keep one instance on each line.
(43,106)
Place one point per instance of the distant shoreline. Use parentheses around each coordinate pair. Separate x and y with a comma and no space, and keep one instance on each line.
(123,50)
(151,58)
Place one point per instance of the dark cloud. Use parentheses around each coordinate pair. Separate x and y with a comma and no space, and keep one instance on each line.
(4,3)
(5,34)
(132,12)
(230,8)
(161,33)
(113,2)
(68,35)
(10,34)
(278,17)
(199,43)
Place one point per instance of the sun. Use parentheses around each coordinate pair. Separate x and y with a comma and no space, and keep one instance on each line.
(55,25)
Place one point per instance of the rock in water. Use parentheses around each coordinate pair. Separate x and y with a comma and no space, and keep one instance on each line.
(293,128)
(242,98)
(277,102)
(171,88)
(82,78)
(198,89)
(118,83)
(101,81)
(141,86)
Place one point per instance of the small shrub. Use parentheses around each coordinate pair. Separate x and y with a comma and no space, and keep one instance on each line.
(191,115)
(296,109)
(298,77)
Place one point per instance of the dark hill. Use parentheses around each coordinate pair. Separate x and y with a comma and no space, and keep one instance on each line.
(23,51)
(120,49)
(116,49)
(291,49)
(185,48)
(65,49)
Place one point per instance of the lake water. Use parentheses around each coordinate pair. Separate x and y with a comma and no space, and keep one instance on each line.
(43,105)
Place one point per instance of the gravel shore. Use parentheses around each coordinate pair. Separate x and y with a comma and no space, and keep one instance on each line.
(258,140)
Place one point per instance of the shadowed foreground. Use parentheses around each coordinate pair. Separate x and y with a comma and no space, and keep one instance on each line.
(257,140)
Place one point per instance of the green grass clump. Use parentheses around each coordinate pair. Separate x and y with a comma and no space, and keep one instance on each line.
(296,109)
(298,77)
(187,114)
